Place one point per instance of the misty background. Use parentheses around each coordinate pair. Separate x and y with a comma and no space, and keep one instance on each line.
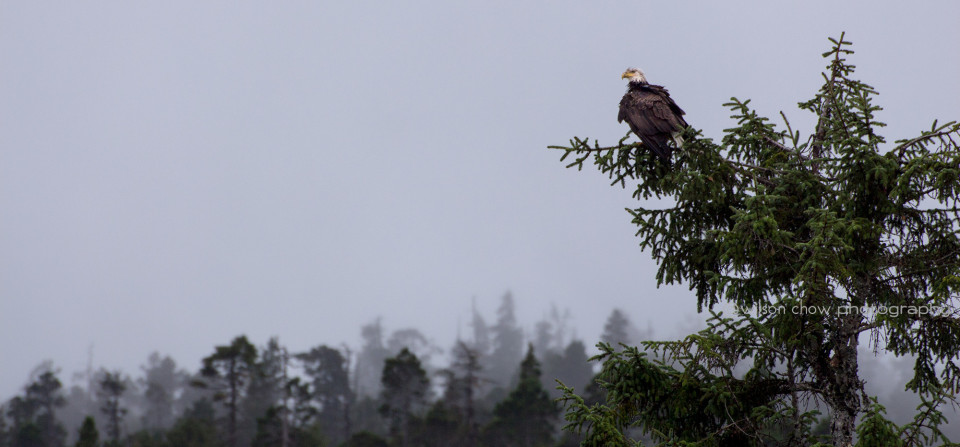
(175,174)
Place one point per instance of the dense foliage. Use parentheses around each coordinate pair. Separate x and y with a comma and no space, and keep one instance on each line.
(250,395)
(818,242)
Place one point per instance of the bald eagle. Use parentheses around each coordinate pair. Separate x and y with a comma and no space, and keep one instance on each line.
(651,114)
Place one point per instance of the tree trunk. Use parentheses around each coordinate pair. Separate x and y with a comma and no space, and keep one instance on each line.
(234,404)
(844,384)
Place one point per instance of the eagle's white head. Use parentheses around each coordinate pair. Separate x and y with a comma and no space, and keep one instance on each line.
(635,75)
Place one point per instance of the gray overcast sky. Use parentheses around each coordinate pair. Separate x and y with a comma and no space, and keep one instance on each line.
(173,174)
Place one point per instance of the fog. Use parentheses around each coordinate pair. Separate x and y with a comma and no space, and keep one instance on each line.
(175,174)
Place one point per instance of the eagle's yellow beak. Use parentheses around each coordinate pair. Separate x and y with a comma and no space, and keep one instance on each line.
(625,75)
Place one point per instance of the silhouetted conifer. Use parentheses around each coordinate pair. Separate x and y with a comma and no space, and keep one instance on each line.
(404,395)
(527,416)
(89,437)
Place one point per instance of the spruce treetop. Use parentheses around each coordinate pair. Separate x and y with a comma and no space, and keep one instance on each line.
(863,232)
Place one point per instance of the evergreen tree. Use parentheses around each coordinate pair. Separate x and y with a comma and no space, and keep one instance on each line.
(158,412)
(507,343)
(34,414)
(265,389)
(527,416)
(404,395)
(370,360)
(460,396)
(111,387)
(89,437)
(365,439)
(161,384)
(617,329)
(543,338)
(196,390)
(415,342)
(188,432)
(571,367)
(365,416)
(481,343)
(30,435)
(228,372)
(4,431)
(21,412)
(835,236)
(80,403)
(146,438)
(270,432)
(440,427)
(551,333)
(291,423)
(302,411)
(196,428)
(327,370)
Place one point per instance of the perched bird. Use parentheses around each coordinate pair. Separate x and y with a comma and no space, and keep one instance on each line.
(651,114)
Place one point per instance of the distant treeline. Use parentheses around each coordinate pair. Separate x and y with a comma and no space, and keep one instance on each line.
(499,389)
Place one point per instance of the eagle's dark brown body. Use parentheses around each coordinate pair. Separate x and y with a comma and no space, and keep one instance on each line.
(652,116)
